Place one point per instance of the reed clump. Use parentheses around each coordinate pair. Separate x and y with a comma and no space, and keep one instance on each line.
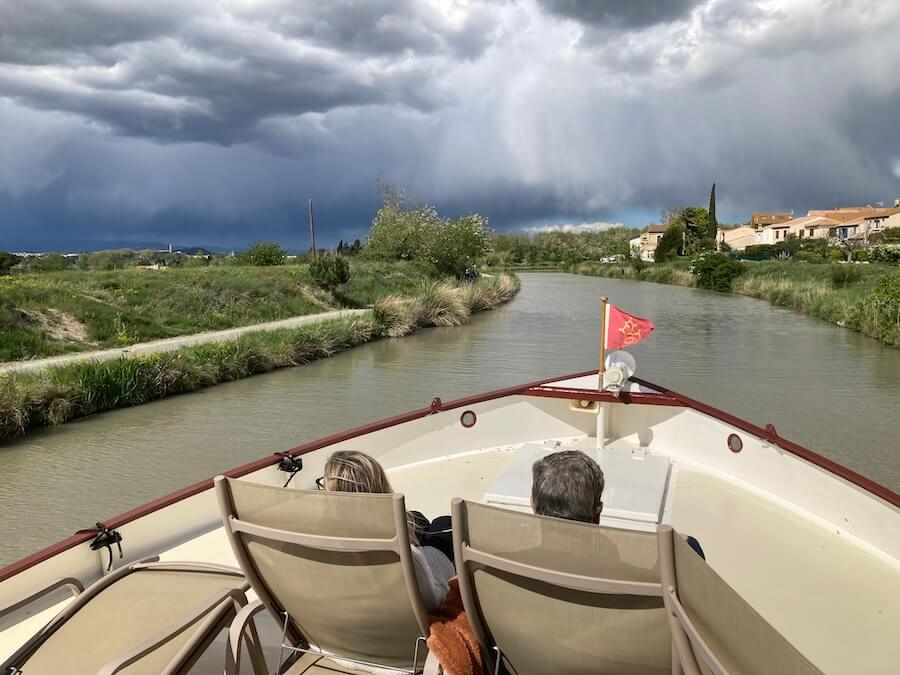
(439,304)
(58,395)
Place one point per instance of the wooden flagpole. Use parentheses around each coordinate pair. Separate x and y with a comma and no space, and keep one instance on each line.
(603,303)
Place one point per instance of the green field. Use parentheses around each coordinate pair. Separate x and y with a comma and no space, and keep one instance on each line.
(59,312)
(865,298)
(57,395)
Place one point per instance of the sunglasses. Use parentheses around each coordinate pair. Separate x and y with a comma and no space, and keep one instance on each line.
(320,483)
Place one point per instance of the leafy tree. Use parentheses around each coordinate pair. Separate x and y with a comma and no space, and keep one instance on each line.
(698,238)
(7,262)
(330,271)
(263,254)
(454,245)
(670,244)
(400,231)
(715,271)
(52,262)
(403,232)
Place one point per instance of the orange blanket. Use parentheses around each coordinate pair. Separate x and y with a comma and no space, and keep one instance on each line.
(452,640)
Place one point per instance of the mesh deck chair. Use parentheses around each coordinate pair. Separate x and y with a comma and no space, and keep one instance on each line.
(715,630)
(553,596)
(144,618)
(334,568)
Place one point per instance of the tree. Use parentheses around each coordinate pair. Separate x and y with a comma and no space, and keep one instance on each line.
(399,231)
(403,232)
(263,254)
(712,226)
(454,245)
(7,262)
(52,262)
(329,271)
(670,244)
(695,220)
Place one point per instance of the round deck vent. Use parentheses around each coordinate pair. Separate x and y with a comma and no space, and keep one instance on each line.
(468,419)
(735,444)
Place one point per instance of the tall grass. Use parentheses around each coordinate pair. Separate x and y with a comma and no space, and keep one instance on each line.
(865,298)
(57,395)
(669,273)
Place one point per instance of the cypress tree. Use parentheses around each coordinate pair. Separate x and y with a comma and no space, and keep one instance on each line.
(712,225)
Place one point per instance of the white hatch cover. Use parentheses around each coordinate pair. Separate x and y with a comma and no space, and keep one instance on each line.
(632,497)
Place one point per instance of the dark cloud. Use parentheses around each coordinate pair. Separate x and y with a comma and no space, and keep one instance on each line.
(191,71)
(212,123)
(626,14)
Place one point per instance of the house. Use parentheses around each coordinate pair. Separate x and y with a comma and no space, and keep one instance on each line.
(884,219)
(737,239)
(773,234)
(650,239)
(762,219)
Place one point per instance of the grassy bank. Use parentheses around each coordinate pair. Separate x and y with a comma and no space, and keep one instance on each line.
(865,298)
(55,313)
(57,395)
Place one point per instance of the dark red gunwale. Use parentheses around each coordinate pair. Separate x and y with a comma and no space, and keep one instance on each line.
(663,397)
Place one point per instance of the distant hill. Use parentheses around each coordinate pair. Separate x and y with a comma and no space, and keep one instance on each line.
(94,246)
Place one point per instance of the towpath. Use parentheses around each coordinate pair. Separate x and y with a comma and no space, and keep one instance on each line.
(171,344)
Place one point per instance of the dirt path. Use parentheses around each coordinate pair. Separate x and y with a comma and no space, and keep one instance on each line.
(171,344)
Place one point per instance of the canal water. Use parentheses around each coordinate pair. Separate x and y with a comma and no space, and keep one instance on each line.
(824,387)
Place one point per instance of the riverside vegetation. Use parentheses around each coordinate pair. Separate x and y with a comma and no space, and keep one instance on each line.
(59,312)
(865,298)
(408,272)
(57,395)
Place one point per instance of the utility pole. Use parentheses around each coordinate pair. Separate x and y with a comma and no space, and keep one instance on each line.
(312,231)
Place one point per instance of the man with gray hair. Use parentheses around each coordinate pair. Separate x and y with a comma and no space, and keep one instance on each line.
(567,485)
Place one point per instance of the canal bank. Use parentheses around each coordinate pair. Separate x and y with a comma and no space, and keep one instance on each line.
(828,389)
(54,395)
(864,298)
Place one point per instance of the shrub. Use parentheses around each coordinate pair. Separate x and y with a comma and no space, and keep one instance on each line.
(439,304)
(669,245)
(715,271)
(52,262)
(7,261)
(888,255)
(393,316)
(329,271)
(836,255)
(844,275)
(263,254)
(878,314)
(862,255)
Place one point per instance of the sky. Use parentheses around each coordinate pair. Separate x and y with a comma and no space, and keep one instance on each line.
(203,122)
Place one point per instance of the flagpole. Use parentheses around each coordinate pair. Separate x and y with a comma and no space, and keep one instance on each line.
(603,303)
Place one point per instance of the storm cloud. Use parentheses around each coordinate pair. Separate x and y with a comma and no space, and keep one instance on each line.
(212,122)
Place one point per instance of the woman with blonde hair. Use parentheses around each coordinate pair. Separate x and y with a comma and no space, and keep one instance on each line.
(351,471)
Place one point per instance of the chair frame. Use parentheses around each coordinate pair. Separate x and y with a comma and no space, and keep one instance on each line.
(469,559)
(213,615)
(292,638)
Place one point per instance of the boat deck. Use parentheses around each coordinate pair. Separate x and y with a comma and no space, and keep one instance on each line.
(790,568)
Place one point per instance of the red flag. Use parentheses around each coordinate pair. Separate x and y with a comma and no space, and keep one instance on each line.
(623,329)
